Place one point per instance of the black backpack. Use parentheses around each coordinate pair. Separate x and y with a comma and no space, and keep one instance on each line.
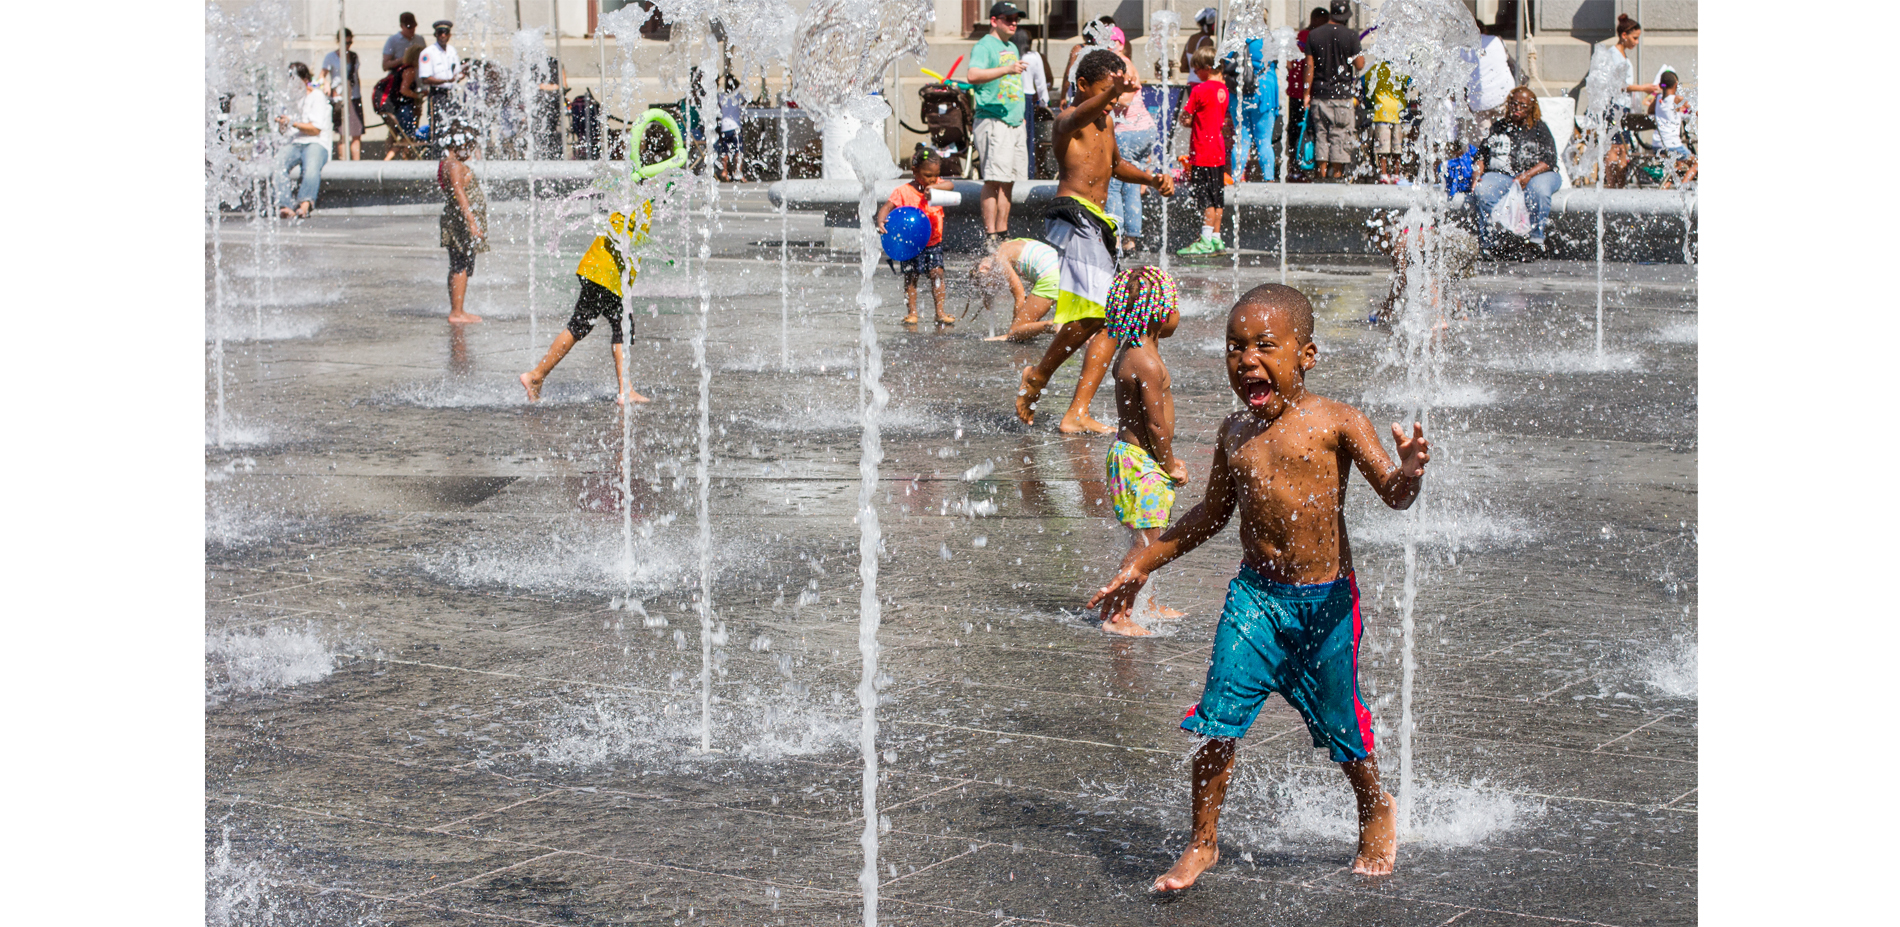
(382,97)
(1241,81)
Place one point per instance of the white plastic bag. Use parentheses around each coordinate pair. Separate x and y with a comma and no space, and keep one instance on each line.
(1512,212)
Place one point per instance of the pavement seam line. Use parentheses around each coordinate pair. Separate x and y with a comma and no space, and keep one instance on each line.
(410,898)
(1638,729)
(1066,740)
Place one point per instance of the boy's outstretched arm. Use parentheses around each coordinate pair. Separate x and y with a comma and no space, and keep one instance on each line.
(1127,172)
(1203,521)
(1398,483)
(1087,111)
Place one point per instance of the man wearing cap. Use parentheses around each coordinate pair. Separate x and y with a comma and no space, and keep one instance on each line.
(1207,18)
(1333,63)
(439,67)
(396,46)
(995,75)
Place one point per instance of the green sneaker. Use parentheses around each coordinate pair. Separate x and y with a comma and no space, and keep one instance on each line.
(1200,246)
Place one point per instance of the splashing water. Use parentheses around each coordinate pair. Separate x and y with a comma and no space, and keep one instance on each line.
(1163,27)
(837,85)
(708,98)
(1673,672)
(531,63)
(1304,808)
(251,662)
(1434,42)
(1600,85)
(651,728)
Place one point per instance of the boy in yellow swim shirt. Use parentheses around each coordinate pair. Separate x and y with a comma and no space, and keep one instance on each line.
(1388,134)
(600,270)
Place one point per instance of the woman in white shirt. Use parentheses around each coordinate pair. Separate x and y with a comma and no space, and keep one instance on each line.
(309,147)
(1135,138)
(1616,164)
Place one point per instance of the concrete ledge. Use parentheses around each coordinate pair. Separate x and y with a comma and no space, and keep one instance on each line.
(1639,225)
(385,183)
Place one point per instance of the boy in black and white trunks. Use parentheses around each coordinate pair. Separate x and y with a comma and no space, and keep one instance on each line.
(600,271)
(1083,234)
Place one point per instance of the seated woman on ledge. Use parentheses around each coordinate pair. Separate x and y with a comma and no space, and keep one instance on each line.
(1519,151)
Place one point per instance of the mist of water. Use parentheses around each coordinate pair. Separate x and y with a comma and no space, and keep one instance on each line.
(838,85)
(1163,27)
(1427,40)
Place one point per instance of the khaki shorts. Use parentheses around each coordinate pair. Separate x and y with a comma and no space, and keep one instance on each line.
(1386,137)
(1334,130)
(1004,150)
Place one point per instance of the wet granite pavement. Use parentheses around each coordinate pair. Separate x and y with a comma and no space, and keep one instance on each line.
(430,700)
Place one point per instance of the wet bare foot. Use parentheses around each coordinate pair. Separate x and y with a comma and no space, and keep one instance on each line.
(1081,423)
(1027,394)
(1162,611)
(463,318)
(630,396)
(910,319)
(1125,627)
(1379,840)
(283,212)
(997,338)
(1194,860)
(532,385)
(945,319)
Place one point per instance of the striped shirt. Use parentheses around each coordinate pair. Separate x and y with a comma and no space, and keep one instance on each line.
(1036,262)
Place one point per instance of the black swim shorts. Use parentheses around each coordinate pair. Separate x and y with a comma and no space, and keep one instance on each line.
(595,302)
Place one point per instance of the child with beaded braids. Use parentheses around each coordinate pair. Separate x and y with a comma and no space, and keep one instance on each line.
(1143,308)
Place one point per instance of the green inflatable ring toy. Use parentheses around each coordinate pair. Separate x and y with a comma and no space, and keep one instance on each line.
(637,132)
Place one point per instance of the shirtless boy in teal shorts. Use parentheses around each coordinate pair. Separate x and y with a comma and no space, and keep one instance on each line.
(1291,623)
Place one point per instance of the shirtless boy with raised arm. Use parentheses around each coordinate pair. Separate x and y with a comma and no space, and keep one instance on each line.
(1291,623)
(1082,232)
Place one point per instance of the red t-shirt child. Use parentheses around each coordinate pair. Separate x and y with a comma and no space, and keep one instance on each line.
(907,194)
(1207,117)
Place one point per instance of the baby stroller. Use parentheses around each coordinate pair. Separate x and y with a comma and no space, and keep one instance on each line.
(949,120)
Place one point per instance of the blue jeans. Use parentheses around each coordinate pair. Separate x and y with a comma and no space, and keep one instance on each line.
(312,158)
(1492,187)
(1124,199)
(1254,129)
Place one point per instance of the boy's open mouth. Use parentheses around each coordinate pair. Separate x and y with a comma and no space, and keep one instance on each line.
(1257,392)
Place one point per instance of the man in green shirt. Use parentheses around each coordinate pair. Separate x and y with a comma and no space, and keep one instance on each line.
(996,75)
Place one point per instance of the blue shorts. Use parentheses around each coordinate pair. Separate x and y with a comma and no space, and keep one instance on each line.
(1678,152)
(1299,641)
(927,260)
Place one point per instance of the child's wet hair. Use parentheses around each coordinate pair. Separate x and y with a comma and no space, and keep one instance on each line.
(1280,298)
(1203,59)
(1139,297)
(1097,65)
(926,158)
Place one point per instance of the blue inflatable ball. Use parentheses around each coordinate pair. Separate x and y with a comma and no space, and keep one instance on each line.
(906,232)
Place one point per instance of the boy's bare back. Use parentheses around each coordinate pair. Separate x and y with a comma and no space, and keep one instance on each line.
(1144,400)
